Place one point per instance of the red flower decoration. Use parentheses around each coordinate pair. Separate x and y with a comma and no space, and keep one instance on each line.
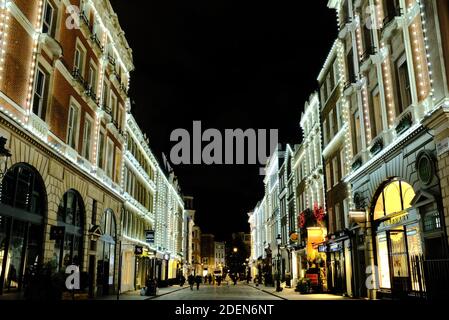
(302,220)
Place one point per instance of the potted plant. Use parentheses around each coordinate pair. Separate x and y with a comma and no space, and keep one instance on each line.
(303,286)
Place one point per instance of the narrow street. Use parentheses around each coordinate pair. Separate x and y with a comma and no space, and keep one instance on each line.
(210,292)
(241,292)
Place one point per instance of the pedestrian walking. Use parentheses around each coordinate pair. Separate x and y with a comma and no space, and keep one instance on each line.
(198,280)
(182,280)
(191,280)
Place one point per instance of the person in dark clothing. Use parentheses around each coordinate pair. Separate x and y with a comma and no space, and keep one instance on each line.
(198,280)
(191,280)
(182,280)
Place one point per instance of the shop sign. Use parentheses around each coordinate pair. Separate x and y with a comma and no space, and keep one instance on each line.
(138,250)
(149,236)
(334,247)
(399,220)
(322,248)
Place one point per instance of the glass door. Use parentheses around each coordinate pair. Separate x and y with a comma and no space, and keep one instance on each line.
(399,260)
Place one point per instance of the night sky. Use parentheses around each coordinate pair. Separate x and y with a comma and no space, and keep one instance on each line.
(231,64)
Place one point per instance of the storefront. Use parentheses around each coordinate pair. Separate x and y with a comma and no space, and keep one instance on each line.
(316,259)
(106,255)
(397,239)
(144,268)
(336,263)
(22,211)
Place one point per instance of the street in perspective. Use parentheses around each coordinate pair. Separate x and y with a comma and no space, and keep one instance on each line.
(224,151)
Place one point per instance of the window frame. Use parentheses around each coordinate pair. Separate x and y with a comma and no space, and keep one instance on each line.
(73,105)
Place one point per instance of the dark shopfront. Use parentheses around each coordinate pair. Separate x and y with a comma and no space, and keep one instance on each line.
(336,263)
(22,211)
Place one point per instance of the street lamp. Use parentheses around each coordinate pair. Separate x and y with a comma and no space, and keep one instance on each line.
(235,250)
(4,155)
(278,276)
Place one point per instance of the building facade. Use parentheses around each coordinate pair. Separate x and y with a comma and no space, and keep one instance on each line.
(336,150)
(196,251)
(189,223)
(81,186)
(139,184)
(208,253)
(63,108)
(220,256)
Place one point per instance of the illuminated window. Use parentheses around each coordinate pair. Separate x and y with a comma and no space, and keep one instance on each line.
(395,197)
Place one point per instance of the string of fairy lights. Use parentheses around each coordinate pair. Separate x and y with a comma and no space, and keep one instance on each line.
(4,26)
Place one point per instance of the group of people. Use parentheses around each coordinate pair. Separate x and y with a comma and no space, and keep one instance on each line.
(193,280)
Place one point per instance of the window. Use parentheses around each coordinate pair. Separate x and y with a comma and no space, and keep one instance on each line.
(110,159)
(80,55)
(101,150)
(120,116)
(39,97)
(87,134)
(335,170)
(113,106)
(357,139)
(403,83)
(118,167)
(48,20)
(328,176)
(70,216)
(338,220)
(92,79)
(325,131)
(72,127)
(395,197)
(106,96)
(323,92)
(94,211)
(350,64)
(376,113)
(332,124)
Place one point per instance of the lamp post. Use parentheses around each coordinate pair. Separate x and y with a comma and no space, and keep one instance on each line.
(278,276)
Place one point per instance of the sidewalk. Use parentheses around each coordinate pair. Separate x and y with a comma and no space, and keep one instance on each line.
(135,295)
(290,294)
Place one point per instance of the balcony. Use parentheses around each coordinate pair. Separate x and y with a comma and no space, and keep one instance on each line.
(51,46)
(365,58)
(97,43)
(90,92)
(390,16)
(78,77)
(39,127)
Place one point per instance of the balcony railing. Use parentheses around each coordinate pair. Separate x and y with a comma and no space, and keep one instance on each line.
(346,19)
(390,15)
(76,74)
(370,50)
(111,60)
(84,19)
(96,41)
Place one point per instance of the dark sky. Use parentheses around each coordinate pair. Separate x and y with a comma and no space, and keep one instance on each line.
(231,64)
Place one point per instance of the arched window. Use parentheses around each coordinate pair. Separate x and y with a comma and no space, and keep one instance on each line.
(22,188)
(22,191)
(70,216)
(396,196)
